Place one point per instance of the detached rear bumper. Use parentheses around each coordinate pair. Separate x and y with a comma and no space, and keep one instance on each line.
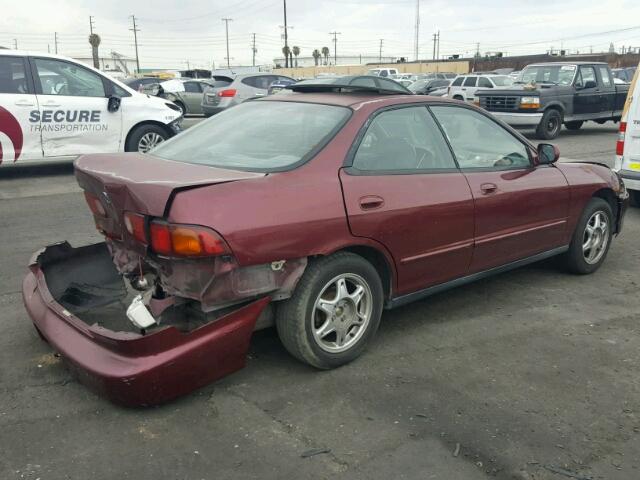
(130,368)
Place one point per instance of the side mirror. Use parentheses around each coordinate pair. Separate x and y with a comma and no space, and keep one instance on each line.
(114,104)
(548,154)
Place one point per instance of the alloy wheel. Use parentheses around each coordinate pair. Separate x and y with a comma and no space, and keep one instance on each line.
(148,141)
(342,312)
(596,237)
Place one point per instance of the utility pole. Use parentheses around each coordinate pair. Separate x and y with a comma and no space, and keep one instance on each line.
(253,49)
(286,37)
(48,48)
(135,31)
(188,64)
(15,43)
(55,42)
(91,24)
(335,46)
(380,57)
(416,45)
(435,39)
(226,26)
(438,49)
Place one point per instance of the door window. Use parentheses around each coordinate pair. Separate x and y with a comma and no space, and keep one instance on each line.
(484,83)
(12,75)
(479,142)
(586,74)
(64,78)
(457,82)
(262,82)
(470,81)
(404,139)
(606,76)
(192,87)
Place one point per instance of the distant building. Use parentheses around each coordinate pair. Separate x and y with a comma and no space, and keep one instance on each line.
(114,64)
(347,60)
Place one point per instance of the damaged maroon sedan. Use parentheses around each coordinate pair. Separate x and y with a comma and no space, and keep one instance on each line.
(313,210)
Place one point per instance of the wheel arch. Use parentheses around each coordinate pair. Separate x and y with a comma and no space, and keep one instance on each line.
(145,122)
(556,106)
(608,195)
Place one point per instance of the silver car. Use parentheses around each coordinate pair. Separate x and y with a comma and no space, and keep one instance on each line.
(189,101)
(242,88)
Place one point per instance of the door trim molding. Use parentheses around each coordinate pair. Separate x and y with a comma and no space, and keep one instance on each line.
(412,297)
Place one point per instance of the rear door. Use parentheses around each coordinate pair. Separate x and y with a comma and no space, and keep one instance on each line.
(607,90)
(520,209)
(469,88)
(193,96)
(403,189)
(73,109)
(19,122)
(586,103)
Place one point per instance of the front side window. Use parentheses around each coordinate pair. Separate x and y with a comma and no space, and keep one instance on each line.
(586,74)
(192,87)
(12,75)
(479,142)
(257,136)
(470,81)
(404,139)
(64,78)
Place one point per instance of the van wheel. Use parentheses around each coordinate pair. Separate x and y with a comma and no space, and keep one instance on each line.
(550,125)
(145,137)
(334,311)
(591,239)
(574,125)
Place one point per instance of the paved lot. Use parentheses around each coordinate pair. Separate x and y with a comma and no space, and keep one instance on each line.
(534,374)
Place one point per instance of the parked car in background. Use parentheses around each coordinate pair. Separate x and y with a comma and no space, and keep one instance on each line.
(464,87)
(440,92)
(56,108)
(624,74)
(243,87)
(627,161)
(139,84)
(515,74)
(189,100)
(425,87)
(438,75)
(280,85)
(383,72)
(548,95)
(332,203)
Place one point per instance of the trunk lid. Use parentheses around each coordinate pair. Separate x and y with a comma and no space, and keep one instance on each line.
(142,183)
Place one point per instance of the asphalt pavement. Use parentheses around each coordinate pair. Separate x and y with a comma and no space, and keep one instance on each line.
(529,375)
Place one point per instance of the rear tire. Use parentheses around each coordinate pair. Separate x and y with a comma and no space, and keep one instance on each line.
(327,323)
(145,137)
(550,125)
(574,125)
(591,239)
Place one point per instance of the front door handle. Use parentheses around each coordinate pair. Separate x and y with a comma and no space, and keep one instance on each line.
(371,202)
(487,188)
(24,103)
(51,104)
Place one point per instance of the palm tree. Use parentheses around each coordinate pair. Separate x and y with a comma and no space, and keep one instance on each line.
(296,52)
(94,40)
(316,56)
(286,51)
(325,53)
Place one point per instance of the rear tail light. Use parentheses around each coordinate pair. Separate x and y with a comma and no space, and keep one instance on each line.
(135,225)
(621,136)
(95,205)
(185,240)
(229,92)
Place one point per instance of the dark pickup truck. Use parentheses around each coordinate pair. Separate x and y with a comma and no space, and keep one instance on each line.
(547,95)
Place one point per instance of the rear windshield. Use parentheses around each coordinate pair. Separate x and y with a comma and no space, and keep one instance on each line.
(257,136)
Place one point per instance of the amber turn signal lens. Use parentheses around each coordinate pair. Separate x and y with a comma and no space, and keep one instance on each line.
(185,240)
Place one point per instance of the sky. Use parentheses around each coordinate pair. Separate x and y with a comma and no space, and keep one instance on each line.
(176,33)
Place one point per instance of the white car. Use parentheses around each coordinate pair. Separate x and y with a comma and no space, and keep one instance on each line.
(464,87)
(627,162)
(383,72)
(55,108)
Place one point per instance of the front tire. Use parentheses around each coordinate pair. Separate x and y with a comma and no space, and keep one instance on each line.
(591,239)
(550,125)
(334,311)
(144,137)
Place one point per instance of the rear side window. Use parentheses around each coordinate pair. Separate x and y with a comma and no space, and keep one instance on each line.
(12,75)
(404,139)
(192,87)
(261,81)
(606,78)
(479,142)
(470,81)
(457,82)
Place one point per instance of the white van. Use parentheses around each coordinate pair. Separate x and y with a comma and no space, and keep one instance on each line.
(55,108)
(627,162)
(383,72)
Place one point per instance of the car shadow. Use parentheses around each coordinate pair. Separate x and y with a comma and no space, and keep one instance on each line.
(40,170)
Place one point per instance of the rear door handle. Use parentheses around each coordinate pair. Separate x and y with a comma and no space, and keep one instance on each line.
(371,202)
(487,188)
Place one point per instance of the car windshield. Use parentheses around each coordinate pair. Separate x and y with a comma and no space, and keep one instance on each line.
(557,74)
(502,81)
(257,136)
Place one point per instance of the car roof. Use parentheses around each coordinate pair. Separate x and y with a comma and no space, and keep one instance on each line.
(353,100)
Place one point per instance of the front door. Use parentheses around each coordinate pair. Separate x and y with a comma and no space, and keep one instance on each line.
(404,190)
(520,209)
(19,131)
(73,113)
(586,102)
